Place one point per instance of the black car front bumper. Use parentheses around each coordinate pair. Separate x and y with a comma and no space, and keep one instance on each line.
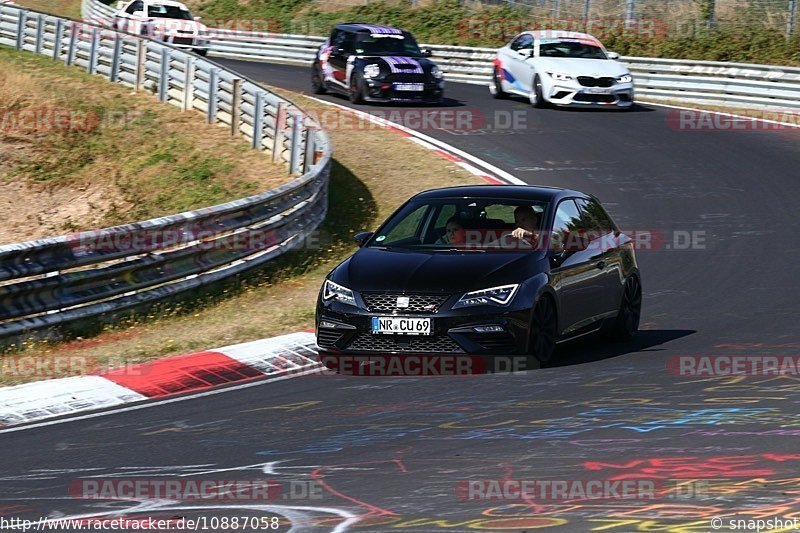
(384,92)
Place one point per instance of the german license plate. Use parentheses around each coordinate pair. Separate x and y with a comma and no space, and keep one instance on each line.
(400,325)
(409,86)
(597,90)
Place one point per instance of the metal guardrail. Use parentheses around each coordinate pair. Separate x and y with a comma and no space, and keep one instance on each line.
(744,85)
(49,283)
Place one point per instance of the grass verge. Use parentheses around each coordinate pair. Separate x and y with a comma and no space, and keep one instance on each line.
(62,8)
(80,153)
(375,170)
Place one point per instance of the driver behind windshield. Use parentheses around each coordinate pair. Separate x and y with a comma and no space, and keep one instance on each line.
(527,221)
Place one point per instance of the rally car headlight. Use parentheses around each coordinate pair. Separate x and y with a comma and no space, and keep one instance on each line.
(499,296)
(334,291)
(559,76)
(372,71)
(436,72)
(626,78)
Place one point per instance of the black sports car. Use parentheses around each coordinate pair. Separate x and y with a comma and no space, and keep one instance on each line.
(376,64)
(484,271)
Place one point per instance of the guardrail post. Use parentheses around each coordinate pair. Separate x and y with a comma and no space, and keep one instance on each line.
(93,50)
(310,150)
(115,59)
(213,92)
(587,5)
(280,125)
(792,19)
(39,33)
(22,23)
(556,9)
(297,139)
(141,67)
(72,43)
(630,6)
(188,83)
(236,105)
(163,80)
(258,120)
(58,38)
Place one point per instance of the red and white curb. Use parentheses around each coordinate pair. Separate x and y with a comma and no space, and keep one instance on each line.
(470,163)
(295,353)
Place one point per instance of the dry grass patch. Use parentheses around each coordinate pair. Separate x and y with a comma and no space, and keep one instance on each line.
(375,171)
(80,153)
(62,8)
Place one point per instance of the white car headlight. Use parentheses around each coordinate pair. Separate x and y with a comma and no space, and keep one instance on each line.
(625,78)
(436,72)
(372,70)
(331,291)
(559,76)
(498,296)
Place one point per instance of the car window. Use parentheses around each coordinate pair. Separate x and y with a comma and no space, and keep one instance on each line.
(523,42)
(567,220)
(386,45)
(135,6)
(168,12)
(337,40)
(408,229)
(599,218)
(572,49)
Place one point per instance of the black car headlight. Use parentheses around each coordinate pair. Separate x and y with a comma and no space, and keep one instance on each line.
(498,296)
(334,291)
(436,72)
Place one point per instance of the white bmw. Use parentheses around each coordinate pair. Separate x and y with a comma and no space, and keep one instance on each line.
(164,20)
(561,68)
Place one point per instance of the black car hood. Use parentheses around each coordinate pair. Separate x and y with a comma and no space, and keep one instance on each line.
(373,269)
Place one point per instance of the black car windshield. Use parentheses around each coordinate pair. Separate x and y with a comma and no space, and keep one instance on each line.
(573,49)
(387,45)
(168,12)
(464,224)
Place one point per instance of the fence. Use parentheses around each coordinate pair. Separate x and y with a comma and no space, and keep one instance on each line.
(56,282)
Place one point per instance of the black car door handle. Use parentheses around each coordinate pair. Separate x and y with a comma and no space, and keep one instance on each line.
(601,265)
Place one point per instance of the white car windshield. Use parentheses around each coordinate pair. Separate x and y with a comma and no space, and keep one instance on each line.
(168,12)
(574,49)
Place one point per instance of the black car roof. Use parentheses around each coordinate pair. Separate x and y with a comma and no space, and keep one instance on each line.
(512,192)
(365,26)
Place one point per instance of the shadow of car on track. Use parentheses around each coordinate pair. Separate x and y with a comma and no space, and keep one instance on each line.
(593,348)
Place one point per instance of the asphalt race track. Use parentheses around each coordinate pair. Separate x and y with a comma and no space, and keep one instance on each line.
(384,454)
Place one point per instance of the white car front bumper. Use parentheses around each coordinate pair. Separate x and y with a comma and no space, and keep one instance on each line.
(573,93)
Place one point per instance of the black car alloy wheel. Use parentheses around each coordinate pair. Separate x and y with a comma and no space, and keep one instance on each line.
(544,326)
(626,323)
(356,89)
(317,80)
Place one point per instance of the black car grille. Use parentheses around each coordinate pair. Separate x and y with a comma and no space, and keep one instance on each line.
(418,303)
(588,81)
(183,40)
(604,98)
(327,338)
(390,343)
(405,78)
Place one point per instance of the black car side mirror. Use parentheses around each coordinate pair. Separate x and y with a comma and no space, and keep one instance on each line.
(426,52)
(362,238)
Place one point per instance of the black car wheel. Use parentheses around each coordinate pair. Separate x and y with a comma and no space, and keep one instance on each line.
(626,323)
(544,328)
(317,80)
(497,86)
(356,89)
